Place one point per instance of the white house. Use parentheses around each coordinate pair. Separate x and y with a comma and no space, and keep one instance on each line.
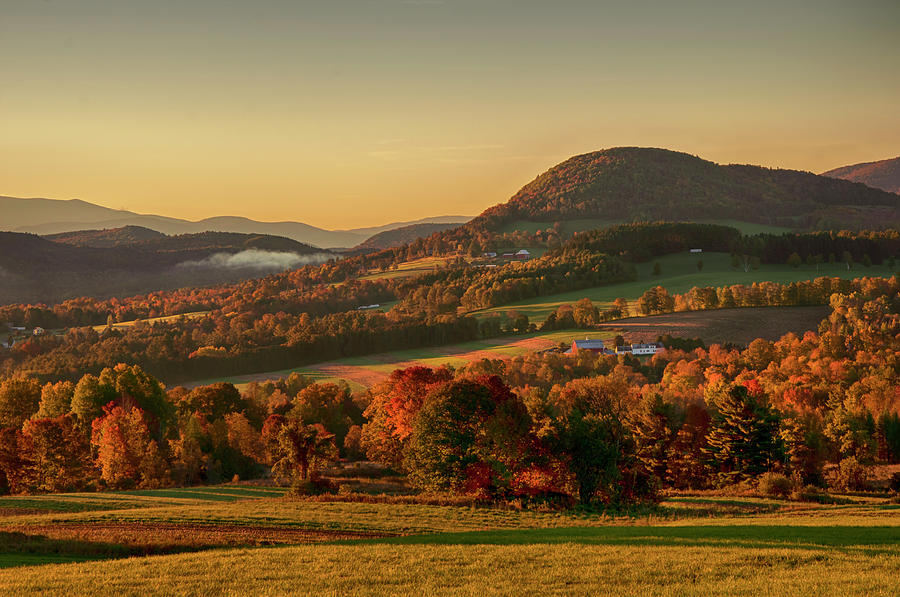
(645,349)
(696,250)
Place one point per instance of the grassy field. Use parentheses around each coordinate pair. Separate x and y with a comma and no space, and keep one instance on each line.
(408,268)
(362,372)
(689,545)
(151,320)
(679,274)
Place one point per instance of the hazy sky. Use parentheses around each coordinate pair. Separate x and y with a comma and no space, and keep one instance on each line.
(358,112)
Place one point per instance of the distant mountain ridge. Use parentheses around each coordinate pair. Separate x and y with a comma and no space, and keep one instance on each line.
(54,216)
(121,262)
(650,184)
(883,174)
(401,236)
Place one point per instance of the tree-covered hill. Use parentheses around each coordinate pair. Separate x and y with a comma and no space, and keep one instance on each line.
(181,245)
(401,236)
(634,184)
(883,174)
(133,260)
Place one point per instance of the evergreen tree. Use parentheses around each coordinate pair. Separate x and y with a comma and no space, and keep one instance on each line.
(743,441)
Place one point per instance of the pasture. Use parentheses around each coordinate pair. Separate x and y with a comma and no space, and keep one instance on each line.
(267,544)
(408,269)
(119,325)
(679,273)
(362,372)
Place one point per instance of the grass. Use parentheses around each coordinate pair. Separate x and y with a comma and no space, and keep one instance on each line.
(151,320)
(679,274)
(361,372)
(689,546)
(408,268)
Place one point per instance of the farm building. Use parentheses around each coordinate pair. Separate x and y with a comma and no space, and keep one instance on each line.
(523,255)
(639,349)
(642,349)
(592,345)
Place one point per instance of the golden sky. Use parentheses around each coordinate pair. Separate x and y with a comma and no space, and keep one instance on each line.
(348,113)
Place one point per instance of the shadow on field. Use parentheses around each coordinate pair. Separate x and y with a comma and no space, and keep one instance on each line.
(852,538)
(20,549)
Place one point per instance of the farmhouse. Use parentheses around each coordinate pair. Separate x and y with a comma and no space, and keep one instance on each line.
(523,255)
(642,349)
(639,349)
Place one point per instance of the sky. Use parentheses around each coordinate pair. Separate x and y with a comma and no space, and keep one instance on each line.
(349,113)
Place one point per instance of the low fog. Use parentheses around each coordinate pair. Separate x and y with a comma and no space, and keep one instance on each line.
(258,260)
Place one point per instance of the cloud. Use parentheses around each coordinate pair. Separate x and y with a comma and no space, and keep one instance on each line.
(257,259)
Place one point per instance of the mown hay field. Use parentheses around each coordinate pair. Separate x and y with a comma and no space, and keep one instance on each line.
(689,545)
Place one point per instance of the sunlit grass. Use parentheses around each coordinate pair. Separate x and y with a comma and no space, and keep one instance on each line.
(679,273)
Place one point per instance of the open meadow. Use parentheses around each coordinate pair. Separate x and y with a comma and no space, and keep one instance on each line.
(678,274)
(365,371)
(234,539)
(736,326)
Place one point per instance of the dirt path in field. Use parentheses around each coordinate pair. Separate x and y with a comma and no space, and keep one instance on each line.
(168,536)
(738,326)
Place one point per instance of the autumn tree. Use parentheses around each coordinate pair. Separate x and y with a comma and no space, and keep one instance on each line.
(19,400)
(58,455)
(393,407)
(297,451)
(56,400)
(470,435)
(127,454)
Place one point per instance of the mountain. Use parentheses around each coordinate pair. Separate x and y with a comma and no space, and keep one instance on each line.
(54,216)
(635,184)
(108,237)
(131,261)
(401,236)
(884,175)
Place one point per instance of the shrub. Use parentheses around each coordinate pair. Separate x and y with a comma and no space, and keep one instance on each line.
(895,483)
(850,475)
(774,485)
(314,485)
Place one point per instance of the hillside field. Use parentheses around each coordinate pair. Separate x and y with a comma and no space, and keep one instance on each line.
(736,326)
(721,326)
(235,539)
(363,372)
(679,274)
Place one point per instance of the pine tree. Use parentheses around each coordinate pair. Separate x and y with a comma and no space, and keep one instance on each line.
(743,441)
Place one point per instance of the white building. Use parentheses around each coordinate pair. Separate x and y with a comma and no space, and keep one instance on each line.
(645,349)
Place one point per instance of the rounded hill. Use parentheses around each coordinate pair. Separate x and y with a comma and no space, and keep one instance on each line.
(640,184)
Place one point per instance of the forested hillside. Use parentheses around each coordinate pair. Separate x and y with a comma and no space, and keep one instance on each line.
(128,261)
(633,184)
(884,174)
